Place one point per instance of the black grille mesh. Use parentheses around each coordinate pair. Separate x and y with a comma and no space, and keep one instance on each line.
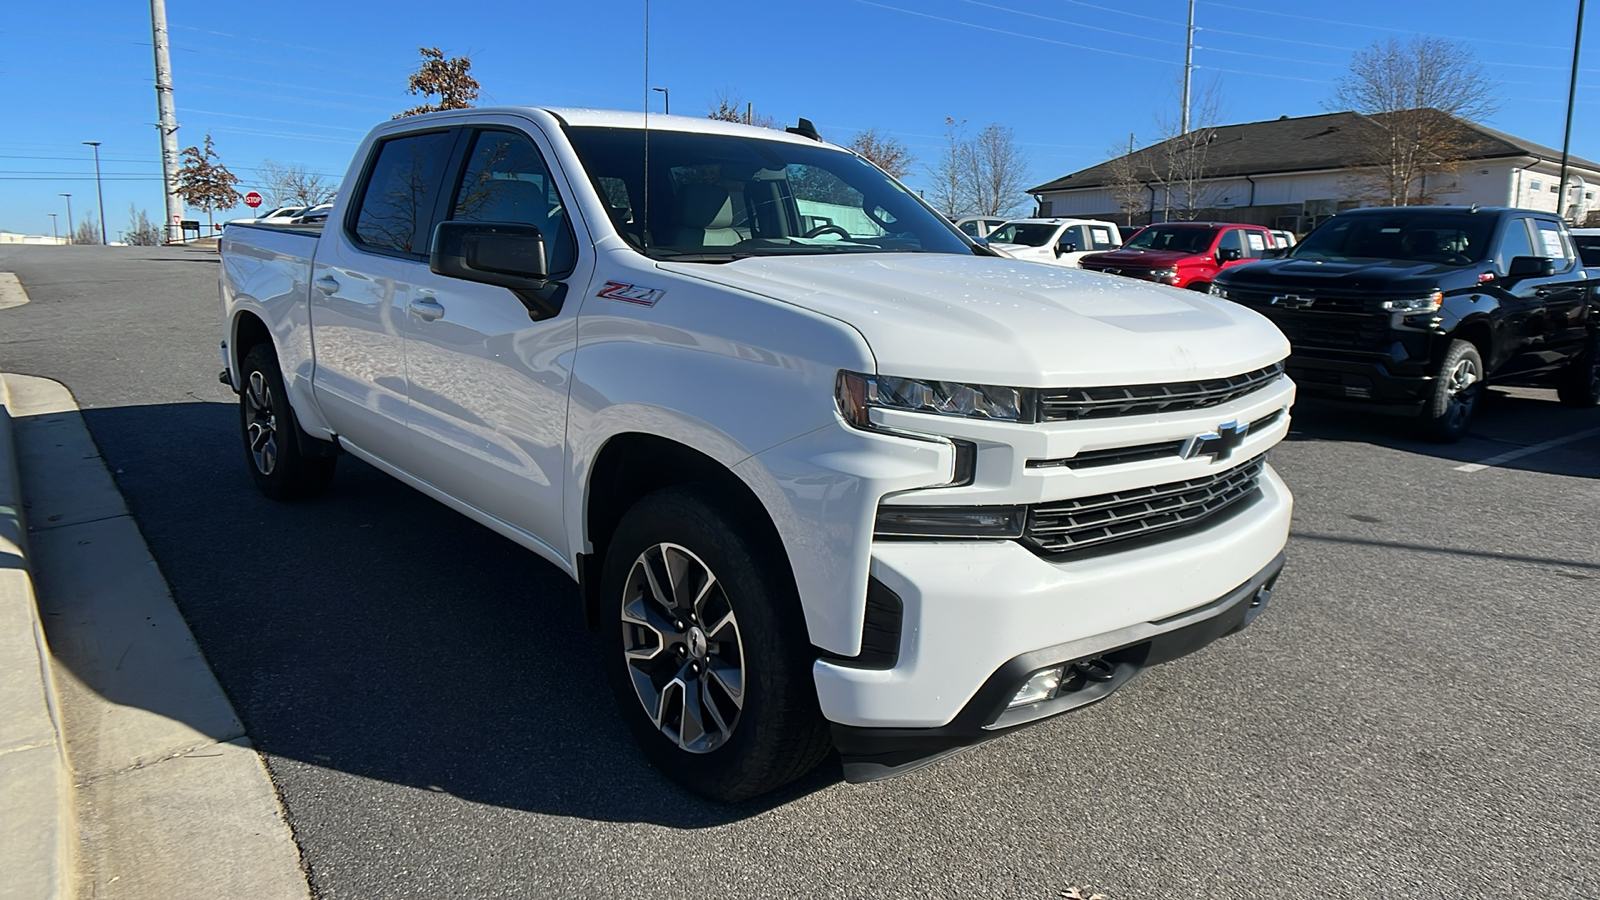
(1071,404)
(1072,526)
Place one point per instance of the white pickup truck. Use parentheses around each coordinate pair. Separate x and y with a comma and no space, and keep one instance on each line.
(827,473)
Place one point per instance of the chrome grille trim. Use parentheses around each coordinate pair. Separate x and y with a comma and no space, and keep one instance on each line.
(1073,526)
(1073,404)
(1116,456)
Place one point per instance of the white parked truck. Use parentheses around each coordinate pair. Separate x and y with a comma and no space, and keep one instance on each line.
(853,483)
(1060,242)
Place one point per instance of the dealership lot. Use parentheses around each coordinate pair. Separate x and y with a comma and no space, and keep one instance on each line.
(1417,714)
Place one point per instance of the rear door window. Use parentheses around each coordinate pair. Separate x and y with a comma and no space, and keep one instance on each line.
(1101,238)
(1551,243)
(396,207)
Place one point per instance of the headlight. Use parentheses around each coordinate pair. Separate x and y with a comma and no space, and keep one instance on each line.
(1217,290)
(1420,304)
(950,521)
(1165,276)
(856,394)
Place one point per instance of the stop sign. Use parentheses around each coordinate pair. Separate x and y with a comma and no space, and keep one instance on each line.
(252,199)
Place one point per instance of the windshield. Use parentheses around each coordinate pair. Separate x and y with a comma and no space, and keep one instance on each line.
(1180,240)
(1447,238)
(717,197)
(1588,249)
(1028,234)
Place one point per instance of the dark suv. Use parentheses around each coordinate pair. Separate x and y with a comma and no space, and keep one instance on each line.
(1418,308)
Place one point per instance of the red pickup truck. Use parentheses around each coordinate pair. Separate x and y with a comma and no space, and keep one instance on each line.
(1183,254)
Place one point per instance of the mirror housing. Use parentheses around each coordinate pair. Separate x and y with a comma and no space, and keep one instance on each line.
(1229,254)
(1066,247)
(1531,267)
(505,254)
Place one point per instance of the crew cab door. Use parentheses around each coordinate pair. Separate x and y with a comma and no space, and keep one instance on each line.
(1520,339)
(1566,302)
(487,384)
(362,278)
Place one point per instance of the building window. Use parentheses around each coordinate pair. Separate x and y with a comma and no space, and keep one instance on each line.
(1555,189)
(1535,185)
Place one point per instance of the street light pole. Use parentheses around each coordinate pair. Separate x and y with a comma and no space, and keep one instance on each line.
(98,192)
(54,234)
(666,101)
(72,234)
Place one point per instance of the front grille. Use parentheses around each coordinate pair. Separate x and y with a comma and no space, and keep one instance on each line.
(1072,404)
(1092,523)
(1116,456)
(1320,303)
(1332,331)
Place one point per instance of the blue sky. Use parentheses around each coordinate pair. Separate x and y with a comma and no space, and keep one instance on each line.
(300,82)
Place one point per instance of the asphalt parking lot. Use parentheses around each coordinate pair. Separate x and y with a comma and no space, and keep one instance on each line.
(1417,715)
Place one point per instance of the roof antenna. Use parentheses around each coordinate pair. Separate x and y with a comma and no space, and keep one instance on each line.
(805,129)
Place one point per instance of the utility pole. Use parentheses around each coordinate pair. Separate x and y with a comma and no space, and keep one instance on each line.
(169,116)
(1572,93)
(99,194)
(666,101)
(1188,67)
(72,235)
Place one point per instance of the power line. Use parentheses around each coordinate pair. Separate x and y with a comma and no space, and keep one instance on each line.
(1031,37)
(1141,37)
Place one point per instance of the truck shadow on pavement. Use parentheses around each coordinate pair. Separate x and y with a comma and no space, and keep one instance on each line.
(375,632)
(1506,420)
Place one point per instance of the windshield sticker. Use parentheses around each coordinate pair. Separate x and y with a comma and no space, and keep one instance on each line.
(631,293)
(1256,242)
(1552,244)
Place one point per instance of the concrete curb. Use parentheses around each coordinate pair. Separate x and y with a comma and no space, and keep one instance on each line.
(170,799)
(37,833)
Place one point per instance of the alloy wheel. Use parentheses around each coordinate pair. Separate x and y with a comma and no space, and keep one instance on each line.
(1462,388)
(681,642)
(261,423)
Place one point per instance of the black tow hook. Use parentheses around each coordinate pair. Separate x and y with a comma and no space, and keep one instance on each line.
(1095,668)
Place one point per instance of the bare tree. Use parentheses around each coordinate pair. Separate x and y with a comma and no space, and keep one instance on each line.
(449,79)
(293,185)
(141,231)
(885,151)
(997,172)
(951,192)
(1131,194)
(88,231)
(205,182)
(1418,93)
(730,107)
(1181,162)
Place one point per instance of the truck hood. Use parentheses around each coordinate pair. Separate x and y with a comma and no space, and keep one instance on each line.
(1001,321)
(1139,259)
(1358,276)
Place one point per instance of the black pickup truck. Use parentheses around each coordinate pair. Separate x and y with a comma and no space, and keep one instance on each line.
(1417,308)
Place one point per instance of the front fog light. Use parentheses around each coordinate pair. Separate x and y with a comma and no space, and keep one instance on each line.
(1040,686)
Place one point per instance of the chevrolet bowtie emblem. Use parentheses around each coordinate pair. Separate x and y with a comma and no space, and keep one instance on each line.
(1292,301)
(1219,444)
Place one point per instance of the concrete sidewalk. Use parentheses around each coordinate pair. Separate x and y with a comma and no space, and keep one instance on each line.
(124,772)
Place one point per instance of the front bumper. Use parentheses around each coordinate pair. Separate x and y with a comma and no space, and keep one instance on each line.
(971,610)
(1359,378)
(870,754)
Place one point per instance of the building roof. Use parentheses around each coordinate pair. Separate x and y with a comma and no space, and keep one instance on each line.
(1304,144)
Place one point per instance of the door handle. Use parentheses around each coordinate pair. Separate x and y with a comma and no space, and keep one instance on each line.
(426,308)
(326,284)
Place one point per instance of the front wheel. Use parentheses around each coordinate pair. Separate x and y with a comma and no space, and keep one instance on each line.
(706,649)
(1580,384)
(271,434)
(1457,386)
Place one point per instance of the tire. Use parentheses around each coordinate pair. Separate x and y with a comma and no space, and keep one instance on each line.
(1579,386)
(716,688)
(271,435)
(1457,388)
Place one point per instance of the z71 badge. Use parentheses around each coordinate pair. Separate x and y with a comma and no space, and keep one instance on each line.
(631,293)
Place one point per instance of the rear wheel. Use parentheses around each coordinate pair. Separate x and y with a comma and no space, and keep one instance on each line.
(706,649)
(1457,386)
(1580,383)
(271,434)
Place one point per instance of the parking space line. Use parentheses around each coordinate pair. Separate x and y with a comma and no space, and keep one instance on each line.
(11,292)
(1529,450)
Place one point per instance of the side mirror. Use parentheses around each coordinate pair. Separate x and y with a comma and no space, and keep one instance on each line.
(1531,267)
(1229,254)
(1066,247)
(505,254)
